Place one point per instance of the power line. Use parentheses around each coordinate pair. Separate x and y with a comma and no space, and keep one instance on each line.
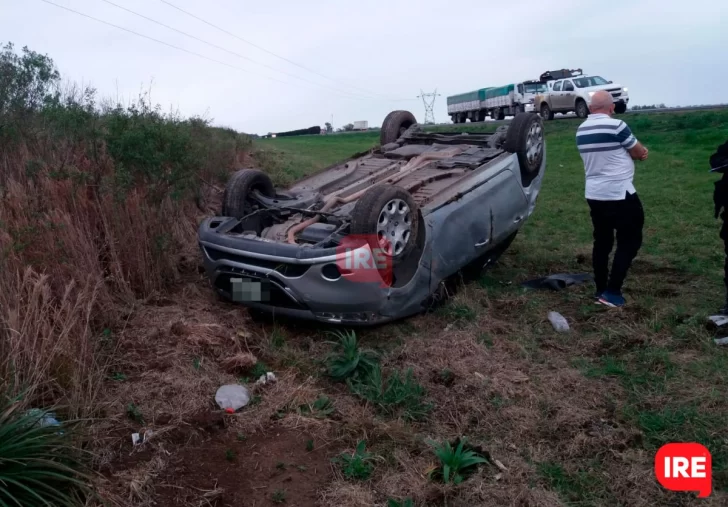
(265,50)
(226,50)
(171,45)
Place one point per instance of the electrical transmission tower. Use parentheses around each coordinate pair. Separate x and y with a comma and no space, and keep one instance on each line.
(428,99)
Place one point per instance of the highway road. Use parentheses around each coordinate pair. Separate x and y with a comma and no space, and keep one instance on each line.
(629,111)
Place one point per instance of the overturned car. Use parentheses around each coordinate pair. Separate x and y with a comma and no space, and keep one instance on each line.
(373,238)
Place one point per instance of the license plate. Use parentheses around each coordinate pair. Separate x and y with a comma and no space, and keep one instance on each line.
(254,290)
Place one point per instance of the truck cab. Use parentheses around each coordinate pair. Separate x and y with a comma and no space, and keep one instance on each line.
(574,93)
(526,93)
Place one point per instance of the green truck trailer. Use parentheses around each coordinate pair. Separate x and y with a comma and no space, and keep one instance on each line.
(497,101)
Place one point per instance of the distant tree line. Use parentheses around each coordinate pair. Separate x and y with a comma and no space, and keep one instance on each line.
(652,106)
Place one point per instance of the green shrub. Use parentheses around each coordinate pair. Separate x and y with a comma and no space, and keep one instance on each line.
(357,465)
(455,464)
(38,465)
(399,395)
(350,361)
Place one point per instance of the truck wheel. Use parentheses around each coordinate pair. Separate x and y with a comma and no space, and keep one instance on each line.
(395,124)
(501,114)
(387,215)
(236,201)
(525,137)
(620,108)
(582,111)
(495,113)
(546,112)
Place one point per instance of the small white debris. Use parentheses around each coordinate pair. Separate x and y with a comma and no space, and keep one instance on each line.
(266,379)
(559,322)
(479,375)
(500,465)
(719,320)
(135,438)
(721,341)
(498,477)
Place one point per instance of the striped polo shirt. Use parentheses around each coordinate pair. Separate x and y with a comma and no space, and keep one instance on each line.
(603,142)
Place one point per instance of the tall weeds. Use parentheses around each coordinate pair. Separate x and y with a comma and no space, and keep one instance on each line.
(97,206)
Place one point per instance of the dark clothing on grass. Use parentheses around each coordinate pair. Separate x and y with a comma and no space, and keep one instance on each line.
(625,218)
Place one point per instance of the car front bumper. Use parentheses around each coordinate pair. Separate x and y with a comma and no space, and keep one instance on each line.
(288,280)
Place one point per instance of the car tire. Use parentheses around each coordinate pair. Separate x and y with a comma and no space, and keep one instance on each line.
(525,137)
(582,111)
(620,108)
(387,212)
(546,112)
(395,124)
(235,201)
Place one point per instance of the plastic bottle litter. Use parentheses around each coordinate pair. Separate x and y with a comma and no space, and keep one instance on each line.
(232,397)
(44,418)
(559,322)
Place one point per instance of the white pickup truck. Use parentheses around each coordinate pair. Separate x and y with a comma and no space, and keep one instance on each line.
(574,93)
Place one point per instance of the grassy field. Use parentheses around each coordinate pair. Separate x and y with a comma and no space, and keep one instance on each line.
(575,418)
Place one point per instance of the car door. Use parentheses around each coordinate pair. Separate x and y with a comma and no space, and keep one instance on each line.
(556,96)
(568,95)
(476,222)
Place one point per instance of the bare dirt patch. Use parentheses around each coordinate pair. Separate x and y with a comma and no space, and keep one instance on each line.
(267,468)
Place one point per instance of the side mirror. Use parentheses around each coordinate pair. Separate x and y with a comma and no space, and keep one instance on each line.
(610,82)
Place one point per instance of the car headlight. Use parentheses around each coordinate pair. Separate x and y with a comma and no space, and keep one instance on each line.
(625,89)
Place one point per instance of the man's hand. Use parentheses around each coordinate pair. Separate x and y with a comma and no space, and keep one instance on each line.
(638,152)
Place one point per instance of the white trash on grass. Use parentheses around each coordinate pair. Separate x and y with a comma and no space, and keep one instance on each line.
(232,397)
(559,322)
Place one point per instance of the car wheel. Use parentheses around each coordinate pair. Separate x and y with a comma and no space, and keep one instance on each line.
(582,111)
(526,138)
(388,217)
(546,112)
(236,201)
(620,108)
(395,124)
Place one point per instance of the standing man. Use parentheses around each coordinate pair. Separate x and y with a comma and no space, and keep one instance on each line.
(719,164)
(608,149)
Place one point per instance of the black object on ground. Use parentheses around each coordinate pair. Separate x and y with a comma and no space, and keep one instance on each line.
(559,281)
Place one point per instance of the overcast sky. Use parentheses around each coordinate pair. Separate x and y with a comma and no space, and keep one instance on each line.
(369,55)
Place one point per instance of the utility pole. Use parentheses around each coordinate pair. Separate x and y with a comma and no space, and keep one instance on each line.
(428,99)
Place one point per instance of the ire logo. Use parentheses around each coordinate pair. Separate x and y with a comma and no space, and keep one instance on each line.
(684,467)
(358,263)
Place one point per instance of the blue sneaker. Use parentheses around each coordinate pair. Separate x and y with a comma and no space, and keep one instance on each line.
(612,299)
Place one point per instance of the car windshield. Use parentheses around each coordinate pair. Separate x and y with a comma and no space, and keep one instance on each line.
(536,88)
(586,82)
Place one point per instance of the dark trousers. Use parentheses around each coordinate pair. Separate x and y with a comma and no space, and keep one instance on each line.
(626,218)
